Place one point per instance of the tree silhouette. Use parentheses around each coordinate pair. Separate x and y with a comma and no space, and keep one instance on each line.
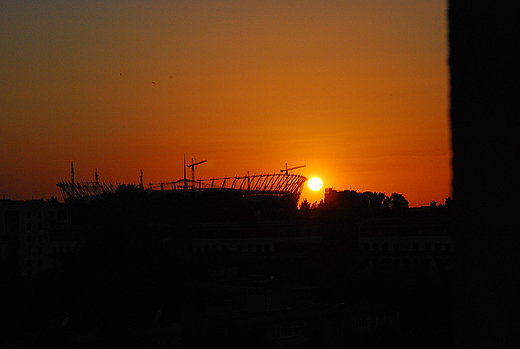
(398,203)
(305,207)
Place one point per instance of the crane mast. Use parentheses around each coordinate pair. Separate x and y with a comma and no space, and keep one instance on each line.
(192,166)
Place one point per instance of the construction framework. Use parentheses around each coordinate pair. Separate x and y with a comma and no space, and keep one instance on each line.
(78,190)
(277,184)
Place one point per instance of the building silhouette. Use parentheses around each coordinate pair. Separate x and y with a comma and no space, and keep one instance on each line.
(34,235)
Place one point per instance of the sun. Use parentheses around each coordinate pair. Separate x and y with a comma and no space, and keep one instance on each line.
(315,184)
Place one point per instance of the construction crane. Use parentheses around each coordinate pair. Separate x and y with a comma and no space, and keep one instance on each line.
(192,166)
(286,170)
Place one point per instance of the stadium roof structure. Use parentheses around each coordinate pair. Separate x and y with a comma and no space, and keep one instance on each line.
(277,184)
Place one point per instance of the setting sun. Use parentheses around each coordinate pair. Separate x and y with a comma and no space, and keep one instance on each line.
(315,184)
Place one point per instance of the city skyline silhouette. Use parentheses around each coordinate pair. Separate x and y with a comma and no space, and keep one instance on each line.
(156,165)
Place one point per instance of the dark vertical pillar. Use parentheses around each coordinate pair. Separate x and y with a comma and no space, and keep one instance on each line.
(485,110)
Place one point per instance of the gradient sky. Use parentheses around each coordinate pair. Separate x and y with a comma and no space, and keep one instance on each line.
(356,90)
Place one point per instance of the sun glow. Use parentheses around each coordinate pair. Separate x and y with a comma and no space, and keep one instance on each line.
(314,184)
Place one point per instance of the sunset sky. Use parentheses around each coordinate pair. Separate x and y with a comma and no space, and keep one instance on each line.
(356,90)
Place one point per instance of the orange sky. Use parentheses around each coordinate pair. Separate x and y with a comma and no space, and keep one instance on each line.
(355,90)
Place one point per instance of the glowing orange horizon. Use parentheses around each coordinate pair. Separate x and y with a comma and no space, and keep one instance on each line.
(249,86)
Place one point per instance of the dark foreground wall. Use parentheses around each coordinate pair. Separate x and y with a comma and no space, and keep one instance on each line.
(484,113)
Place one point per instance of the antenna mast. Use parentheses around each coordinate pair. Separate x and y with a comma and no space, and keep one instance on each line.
(185,184)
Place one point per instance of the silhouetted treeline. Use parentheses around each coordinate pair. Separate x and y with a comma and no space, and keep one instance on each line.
(354,205)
